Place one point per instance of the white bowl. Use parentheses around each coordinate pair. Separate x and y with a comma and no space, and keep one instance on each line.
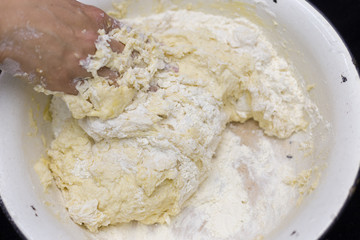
(301,34)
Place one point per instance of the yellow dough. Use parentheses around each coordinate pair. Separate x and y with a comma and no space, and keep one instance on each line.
(138,148)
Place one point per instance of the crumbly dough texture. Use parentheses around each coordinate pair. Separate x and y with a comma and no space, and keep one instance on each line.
(137,148)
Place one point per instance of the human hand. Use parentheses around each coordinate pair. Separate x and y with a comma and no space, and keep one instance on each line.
(44,40)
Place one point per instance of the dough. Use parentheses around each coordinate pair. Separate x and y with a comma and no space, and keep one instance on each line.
(138,148)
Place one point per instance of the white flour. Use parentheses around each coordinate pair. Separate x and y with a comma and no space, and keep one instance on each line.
(244,196)
(245,193)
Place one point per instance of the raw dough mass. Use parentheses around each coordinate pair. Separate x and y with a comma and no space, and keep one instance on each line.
(139,147)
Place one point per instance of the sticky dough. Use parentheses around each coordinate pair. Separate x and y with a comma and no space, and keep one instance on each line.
(137,148)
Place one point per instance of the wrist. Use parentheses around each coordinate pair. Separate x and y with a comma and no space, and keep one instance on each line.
(4,9)
(3,44)
(2,35)
(6,25)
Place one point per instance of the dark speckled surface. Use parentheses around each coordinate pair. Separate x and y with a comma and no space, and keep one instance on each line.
(345,16)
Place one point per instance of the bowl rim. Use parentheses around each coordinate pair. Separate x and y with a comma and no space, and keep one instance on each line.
(356,182)
(353,188)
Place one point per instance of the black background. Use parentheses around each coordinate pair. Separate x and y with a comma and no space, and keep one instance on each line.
(345,16)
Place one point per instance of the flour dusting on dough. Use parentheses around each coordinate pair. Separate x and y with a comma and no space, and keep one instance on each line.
(138,148)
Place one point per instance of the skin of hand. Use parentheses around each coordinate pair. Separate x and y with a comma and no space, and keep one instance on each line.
(44,40)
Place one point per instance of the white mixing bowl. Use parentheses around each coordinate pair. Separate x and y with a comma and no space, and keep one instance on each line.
(299,32)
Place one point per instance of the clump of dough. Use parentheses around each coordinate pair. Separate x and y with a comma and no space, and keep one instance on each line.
(138,147)
(136,66)
(142,159)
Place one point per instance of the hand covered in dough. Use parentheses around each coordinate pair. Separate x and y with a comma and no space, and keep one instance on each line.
(44,40)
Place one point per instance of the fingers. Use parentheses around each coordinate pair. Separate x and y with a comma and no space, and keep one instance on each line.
(108,73)
(117,46)
(107,23)
(68,31)
(102,20)
(68,87)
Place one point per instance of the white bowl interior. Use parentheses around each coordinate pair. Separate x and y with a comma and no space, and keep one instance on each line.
(301,35)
